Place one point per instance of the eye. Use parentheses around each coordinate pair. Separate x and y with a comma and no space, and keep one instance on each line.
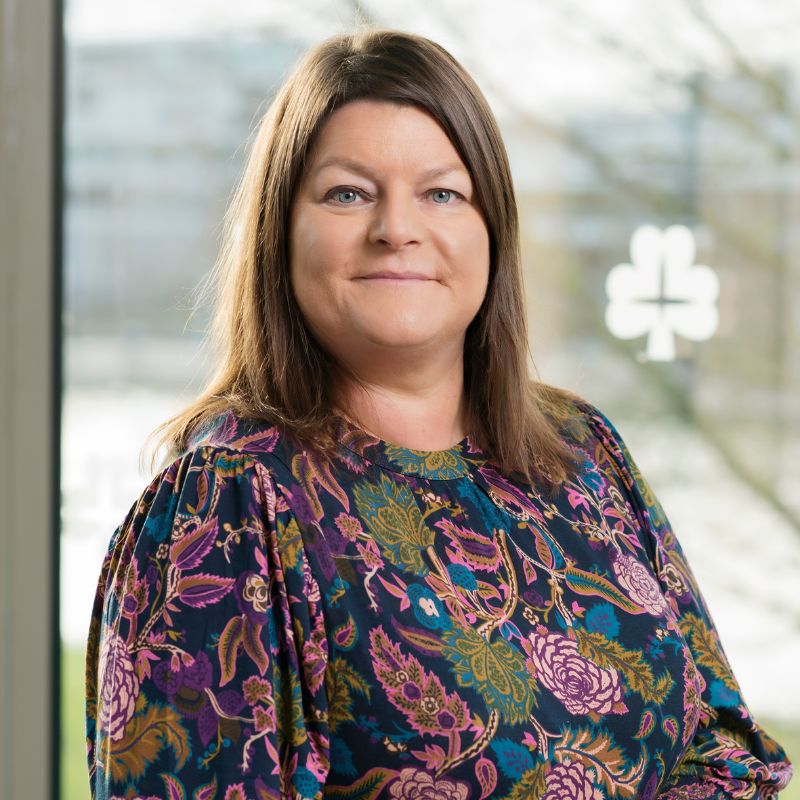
(446,192)
(343,190)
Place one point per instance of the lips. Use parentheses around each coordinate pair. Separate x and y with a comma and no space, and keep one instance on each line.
(397,276)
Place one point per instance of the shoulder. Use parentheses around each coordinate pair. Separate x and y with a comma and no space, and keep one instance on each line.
(249,441)
(237,433)
(211,508)
(591,435)
(232,468)
(577,420)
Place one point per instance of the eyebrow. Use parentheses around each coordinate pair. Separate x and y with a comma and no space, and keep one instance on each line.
(356,166)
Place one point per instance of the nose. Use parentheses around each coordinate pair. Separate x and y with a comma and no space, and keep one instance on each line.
(396,220)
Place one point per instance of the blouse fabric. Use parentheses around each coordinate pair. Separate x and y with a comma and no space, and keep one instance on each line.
(408,624)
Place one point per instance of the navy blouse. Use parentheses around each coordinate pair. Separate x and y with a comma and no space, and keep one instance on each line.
(408,624)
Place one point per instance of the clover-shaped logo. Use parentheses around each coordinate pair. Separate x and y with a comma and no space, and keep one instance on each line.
(662,292)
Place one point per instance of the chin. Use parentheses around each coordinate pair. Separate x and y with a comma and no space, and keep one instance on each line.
(398,341)
(399,336)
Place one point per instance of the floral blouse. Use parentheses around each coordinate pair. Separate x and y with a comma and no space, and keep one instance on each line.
(408,624)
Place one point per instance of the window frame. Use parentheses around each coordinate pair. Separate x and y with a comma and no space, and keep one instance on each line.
(31,199)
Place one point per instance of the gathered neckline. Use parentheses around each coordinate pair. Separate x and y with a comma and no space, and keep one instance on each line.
(452,462)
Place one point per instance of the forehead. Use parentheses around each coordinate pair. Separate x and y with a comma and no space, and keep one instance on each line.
(384,130)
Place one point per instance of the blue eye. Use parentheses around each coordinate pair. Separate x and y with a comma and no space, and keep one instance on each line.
(337,192)
(445,192)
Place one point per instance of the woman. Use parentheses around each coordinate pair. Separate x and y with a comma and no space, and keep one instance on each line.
(380,561)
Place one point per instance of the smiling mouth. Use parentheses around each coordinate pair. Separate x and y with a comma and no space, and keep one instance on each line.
(396,276)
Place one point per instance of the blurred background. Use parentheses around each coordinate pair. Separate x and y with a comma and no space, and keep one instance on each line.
(656,162)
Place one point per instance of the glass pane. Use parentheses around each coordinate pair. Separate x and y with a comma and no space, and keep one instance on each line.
(655,157)
(154,132)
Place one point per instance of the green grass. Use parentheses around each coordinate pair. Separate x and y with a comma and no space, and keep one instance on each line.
(74,780)
(74,775)
(788,735)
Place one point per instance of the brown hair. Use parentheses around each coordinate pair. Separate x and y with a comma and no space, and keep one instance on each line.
(270,367)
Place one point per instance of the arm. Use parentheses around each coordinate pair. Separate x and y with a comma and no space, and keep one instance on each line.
(730,756)
(200,679)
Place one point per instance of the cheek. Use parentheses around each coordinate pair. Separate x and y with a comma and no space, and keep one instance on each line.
(309,256)
(311,294)
(477,259)
(470,250)
(480,245)
(306,245)
(320,251)
(315,261)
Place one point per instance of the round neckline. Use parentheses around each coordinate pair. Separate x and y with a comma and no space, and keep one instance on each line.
(452,462)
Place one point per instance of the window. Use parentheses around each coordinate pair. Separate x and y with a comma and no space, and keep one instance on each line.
(655,145)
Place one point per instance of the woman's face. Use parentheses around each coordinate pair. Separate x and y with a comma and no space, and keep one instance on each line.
(389,253)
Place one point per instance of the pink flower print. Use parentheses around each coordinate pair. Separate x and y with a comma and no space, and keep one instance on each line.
(349,527)
(416,784)
(315,656)
(416,693)
(311,585)
(570,781)
(674,580)
(580,684)
(264,495)
(264,718)
(693,685)
(235,792)
(690,791)
(119,686)
(256,592)
(370,553)
(640,585)
(252,596)
(257,690)
(470,548)
(782,773)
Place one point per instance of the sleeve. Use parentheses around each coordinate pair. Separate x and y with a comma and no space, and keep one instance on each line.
(206,654)
(730,755)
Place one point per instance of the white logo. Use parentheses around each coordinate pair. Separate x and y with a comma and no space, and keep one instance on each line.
(662,292)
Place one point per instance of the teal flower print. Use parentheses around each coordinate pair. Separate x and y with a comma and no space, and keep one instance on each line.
(428,608)
(462,577)
(601,618)
(305,783)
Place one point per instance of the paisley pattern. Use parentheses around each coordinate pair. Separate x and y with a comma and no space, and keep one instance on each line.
(408,624)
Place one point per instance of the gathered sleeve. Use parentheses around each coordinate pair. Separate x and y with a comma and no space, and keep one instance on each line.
(730,755)
(207,651)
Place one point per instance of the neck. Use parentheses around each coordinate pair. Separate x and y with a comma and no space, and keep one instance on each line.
(429,413)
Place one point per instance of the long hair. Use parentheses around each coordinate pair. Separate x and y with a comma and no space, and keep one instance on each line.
(268,365)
